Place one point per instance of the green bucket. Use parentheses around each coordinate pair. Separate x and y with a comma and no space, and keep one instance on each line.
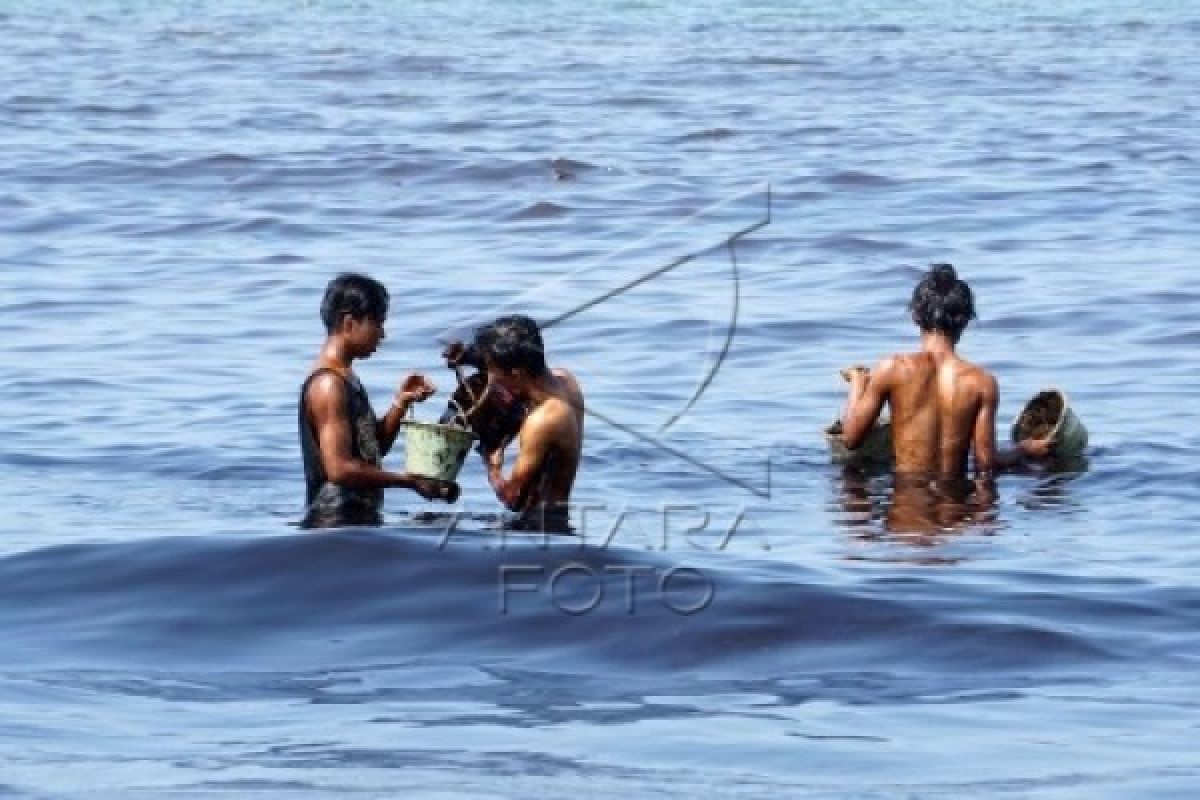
(437,451)
(875,449)
(1049,416)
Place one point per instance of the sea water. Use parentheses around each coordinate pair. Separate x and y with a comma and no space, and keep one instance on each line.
(737,616)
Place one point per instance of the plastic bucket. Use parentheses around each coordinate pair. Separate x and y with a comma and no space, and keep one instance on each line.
(875,449)
(1049,415)
(432,450)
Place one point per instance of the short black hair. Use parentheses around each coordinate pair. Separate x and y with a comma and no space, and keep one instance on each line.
(513,342)
(354,294)
(942,302)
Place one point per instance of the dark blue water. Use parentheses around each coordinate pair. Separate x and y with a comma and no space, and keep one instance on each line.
(178,182)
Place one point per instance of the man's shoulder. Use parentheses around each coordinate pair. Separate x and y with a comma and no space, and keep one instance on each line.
(976,372)
(898,360)
(977,379)
(571,384)
(551,410)
(325,385)
(325,379)
(551,418)
(899,366)
(568,377)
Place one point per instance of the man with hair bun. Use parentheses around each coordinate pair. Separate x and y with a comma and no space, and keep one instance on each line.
(943,407)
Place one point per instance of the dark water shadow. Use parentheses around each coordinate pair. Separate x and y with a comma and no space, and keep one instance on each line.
(876,504)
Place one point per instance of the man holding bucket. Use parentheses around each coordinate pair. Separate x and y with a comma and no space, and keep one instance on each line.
(342,441)
(550,438)
(943,407)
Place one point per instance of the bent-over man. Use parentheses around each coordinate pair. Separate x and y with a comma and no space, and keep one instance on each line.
(550,440)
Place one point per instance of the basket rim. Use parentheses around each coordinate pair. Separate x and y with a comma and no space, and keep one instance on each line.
(1062,417)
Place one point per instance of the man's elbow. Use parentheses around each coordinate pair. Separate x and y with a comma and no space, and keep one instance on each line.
(507,493)
(509,499)
(853,436)
(988,460)
(342,473)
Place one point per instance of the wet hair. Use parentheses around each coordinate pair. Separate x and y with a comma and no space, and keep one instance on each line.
(512,342)
(354,294)
(942,302)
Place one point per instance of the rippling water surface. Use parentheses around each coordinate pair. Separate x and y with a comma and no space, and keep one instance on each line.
(178,182)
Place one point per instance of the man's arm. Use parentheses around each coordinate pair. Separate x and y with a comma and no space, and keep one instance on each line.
(536,440)
(327,411)
(868,392)
(989,458)
(983,438)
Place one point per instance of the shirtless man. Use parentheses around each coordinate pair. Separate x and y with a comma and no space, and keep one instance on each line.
(943,407)
(550,441)
(342,440)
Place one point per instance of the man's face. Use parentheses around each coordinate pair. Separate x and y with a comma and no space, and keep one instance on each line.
(508,380)
(364,335)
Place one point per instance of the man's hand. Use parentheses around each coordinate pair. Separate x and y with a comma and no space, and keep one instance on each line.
(493,459)
(415,388)
(434,489)
(458,354)
(454,352)
(857,373)
(1036,448)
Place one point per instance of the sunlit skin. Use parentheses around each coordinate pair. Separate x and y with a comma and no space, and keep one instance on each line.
(943,410)
(549,443)
(353,339)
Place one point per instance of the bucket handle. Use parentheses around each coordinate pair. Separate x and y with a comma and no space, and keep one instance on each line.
(458,413)
(463,382)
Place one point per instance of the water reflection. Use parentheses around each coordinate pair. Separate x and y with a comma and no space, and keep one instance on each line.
(916,509)
(876,504)
(1052,490)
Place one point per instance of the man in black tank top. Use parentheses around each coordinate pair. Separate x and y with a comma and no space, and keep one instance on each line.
(341,439)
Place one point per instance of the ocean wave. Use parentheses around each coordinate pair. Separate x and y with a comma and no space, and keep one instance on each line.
(360,596)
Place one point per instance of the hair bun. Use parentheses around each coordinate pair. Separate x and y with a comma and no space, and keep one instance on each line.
(944,277)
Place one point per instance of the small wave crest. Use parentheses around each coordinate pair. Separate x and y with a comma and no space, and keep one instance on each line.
(543,209)
(706,135)
(857,179)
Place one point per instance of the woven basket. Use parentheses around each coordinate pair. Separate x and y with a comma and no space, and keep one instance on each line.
(1049,415)
(875,449)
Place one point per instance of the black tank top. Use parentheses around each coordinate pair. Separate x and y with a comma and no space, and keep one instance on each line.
(328,504)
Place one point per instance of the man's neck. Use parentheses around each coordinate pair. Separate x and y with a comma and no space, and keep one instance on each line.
(937,344)
(334,355)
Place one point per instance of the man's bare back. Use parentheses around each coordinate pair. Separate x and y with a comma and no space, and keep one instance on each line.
(940,405)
